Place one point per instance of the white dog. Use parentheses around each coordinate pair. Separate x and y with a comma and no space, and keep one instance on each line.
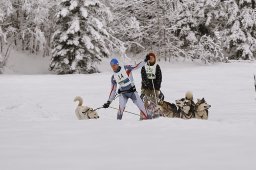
(84,112)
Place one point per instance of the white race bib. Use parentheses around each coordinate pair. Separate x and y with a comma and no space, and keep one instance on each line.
(122,78)
(151,71)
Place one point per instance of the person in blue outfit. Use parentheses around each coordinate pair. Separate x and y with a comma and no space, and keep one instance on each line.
(123,78)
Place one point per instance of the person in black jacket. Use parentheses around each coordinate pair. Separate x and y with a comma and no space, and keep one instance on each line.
(151,79)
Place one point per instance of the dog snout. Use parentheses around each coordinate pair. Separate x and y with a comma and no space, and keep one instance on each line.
(98,117)
(210,106)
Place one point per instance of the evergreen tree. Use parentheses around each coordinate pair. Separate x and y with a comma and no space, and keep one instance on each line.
(240,34)
(81,39)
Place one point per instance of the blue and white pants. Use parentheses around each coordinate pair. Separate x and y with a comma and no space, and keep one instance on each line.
(136,100)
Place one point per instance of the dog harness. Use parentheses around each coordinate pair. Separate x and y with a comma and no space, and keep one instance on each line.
(150,71)
(86,113)
(190,115)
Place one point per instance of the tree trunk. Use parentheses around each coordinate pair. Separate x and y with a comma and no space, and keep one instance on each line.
(164,14)
(253,4)
(159,32)
(1,40)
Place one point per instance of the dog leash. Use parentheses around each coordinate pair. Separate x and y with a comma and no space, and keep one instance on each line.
(125,111)
(117,95)
(92,110)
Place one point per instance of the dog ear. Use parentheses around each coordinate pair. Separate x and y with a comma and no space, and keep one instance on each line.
(203,100)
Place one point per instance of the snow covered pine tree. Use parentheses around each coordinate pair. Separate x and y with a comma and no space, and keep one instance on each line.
(81,39)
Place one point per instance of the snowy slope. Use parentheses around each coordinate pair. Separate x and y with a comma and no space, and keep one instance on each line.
(39,131)
(21,62)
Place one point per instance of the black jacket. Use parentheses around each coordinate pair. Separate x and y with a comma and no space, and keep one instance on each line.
(147,83)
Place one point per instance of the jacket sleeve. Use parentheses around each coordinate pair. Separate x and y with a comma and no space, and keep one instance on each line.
(136,67)
(144,77)
(113,89)
(158,81)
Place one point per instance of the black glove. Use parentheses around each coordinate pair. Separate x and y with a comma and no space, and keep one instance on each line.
(106,105)
(119,91)
(147,58)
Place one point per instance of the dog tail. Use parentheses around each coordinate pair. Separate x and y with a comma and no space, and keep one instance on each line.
(189,95)
(79,99)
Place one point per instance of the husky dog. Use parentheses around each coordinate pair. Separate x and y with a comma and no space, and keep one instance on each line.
(168,109)
(179,104)
(186,109)
(186,106)
(84,112)
(201,109)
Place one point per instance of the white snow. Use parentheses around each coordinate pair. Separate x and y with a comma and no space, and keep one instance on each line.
(87,42)
(39,130)
(88,3)
(98,23)
(73,5)
(66,61)
(84,12)
(191,37)
(63,37)
(95,34)
(64,12)
(21,62)
(74,26)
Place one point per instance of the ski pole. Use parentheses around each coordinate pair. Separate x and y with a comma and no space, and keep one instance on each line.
(125,111)
(153,86)
(154,91)
(117,95)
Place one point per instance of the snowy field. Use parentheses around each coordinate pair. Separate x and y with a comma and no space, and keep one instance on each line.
(39,130)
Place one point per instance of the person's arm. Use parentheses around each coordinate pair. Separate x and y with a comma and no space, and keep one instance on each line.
(144,77)
(112,94)
(158,81)
(113,89)
(130,68)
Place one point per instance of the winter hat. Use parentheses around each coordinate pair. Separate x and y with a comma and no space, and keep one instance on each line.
(152,54)
(114,61)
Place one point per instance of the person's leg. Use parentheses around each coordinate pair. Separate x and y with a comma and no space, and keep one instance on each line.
(122,103)
(139,103)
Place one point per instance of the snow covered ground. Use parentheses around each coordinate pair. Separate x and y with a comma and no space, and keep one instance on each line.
(39,130)
(21,62)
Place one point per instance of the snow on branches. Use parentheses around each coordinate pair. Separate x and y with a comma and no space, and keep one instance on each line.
(82,38)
